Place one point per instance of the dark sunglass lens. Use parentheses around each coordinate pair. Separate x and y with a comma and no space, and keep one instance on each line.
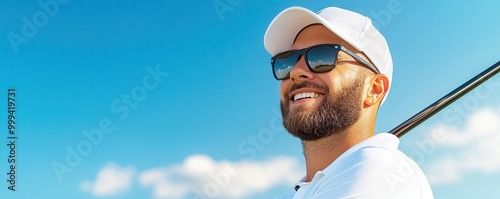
(322,58)
(283,63)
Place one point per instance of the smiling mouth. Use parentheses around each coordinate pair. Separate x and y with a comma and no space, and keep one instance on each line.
(305,95)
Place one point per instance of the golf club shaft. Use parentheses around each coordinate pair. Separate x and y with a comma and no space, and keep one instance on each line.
(445,101)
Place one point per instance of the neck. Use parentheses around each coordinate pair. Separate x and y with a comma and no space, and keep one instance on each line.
(321,153)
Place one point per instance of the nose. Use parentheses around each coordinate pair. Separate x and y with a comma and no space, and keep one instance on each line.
(300,72)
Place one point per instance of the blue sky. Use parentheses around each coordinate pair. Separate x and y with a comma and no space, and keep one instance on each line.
(181,94)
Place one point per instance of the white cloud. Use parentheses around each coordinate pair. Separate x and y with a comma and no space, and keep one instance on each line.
(110,180)
(474,147)
(201,175)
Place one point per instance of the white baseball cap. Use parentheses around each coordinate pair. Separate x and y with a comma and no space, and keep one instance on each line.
(354,28)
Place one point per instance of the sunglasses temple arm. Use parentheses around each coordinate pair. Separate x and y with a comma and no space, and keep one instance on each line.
(428,112)
(358,58)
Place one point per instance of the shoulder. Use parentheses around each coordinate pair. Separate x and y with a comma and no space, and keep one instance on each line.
(376,170)
(377,155)
(371,163)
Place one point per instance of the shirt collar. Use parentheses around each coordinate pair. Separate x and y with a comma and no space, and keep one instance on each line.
(316,177)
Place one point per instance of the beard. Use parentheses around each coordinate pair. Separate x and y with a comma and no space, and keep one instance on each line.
(334,114)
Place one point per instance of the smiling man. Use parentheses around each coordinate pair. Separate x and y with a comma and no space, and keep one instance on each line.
(335,70)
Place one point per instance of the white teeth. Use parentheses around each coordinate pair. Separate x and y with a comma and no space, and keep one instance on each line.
(305,95)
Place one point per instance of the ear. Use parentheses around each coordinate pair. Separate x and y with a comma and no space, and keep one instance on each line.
(377,89)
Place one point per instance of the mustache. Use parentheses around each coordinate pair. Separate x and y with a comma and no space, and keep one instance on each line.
(305,84)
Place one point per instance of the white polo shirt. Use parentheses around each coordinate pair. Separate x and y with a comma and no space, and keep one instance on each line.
(373,169)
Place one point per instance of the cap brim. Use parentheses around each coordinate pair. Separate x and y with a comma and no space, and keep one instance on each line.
(287,24)
(285,27)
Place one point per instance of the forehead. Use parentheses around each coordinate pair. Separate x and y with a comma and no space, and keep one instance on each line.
(318,34)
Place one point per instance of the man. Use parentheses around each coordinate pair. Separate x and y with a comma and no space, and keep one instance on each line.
(335,70)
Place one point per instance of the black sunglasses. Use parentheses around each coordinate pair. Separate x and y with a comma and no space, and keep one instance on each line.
(319,58)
